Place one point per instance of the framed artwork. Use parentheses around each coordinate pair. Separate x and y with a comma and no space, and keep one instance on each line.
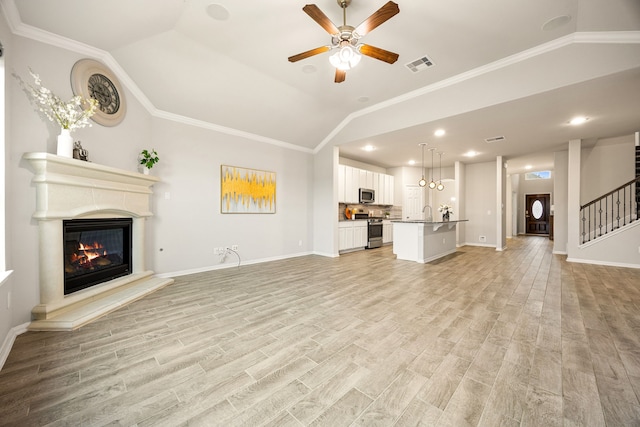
(245,190)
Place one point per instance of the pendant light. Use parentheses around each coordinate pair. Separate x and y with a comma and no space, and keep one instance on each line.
(432,183)
(422,181)
(440,186)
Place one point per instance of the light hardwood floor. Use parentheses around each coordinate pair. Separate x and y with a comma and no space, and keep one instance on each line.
(486,338)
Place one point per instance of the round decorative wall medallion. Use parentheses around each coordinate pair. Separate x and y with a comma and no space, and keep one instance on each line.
(92,79)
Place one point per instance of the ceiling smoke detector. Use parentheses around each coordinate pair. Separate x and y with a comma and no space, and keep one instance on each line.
(494,139)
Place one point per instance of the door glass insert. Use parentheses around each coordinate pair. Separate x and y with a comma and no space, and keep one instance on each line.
(537,209)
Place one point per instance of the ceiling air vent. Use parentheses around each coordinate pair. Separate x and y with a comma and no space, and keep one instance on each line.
(494,139)
(419,64)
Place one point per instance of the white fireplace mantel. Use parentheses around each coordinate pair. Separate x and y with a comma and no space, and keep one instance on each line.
(70,189)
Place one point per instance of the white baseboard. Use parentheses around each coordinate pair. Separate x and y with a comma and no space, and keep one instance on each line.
(9,340)
(482,245)
(605,263)
(235,263)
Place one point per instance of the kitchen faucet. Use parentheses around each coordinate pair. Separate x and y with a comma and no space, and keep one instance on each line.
(430,217)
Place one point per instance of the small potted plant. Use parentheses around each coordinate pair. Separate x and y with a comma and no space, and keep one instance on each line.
(147,159)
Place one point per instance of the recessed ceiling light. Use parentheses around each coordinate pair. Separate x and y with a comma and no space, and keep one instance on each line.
(528,167)
(470,153)
(439,132)
(368,148)
(412,162)
(556,22)
(578,120)
(308,69)
(363,99)
(217,12)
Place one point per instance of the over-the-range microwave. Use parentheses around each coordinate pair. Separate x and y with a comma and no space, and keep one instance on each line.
(367,195)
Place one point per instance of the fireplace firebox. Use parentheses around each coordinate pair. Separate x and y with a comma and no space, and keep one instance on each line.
(95,251)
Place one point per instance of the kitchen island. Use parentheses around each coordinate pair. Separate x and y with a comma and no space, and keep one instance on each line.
(424,241)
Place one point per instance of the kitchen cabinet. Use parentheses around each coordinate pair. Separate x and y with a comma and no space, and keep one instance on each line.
(385,184)
(342,188)
(360,236)
(351,184)
(352,235)
(351,179)
(387,231)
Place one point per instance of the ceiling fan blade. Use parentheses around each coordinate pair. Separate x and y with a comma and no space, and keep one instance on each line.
(380,16)
(317,15)
(308,53)
(341,75)
(377,53)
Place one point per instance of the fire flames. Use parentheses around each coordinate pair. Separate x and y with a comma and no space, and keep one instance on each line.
(88,252)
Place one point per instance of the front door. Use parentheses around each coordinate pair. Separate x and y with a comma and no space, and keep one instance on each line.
(537,213)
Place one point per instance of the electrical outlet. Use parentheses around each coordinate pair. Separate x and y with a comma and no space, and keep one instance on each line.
(216,251)
(234,247)
(444,240)
(482,239)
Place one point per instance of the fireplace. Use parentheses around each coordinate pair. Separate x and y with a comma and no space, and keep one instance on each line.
(95,251)
(91,240)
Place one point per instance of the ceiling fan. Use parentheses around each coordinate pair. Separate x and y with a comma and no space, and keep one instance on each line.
(346,38)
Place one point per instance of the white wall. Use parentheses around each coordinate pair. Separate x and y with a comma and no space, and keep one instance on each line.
(188,224)
(325,201)
(6,283)
(606,166)
(480,203)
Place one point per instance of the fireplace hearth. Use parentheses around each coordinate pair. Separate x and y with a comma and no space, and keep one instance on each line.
(95,251)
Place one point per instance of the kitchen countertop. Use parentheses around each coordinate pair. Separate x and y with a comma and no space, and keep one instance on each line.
(366,219)
(424,221)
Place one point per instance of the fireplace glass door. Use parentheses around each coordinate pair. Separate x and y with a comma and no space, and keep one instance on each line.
(95,251)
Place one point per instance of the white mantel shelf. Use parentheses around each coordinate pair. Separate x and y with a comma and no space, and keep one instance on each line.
(107,187)
(71,189)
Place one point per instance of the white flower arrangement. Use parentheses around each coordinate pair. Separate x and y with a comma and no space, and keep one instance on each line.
(445,209)
(73,114)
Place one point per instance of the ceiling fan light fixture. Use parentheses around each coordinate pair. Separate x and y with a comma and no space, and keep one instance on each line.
(346,57)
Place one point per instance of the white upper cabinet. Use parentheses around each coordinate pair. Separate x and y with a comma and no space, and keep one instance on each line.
(351,179)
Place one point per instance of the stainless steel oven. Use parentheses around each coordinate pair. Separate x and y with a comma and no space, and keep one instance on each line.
(374,233)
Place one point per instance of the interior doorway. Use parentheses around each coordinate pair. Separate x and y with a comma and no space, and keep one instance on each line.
(536,213)
(414,202)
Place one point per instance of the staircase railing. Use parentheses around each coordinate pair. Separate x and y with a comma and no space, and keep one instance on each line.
(615,209)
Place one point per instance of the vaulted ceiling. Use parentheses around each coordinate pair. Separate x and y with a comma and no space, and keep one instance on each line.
(518,69)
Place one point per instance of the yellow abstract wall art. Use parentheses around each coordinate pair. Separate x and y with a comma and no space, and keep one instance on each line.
(247,190)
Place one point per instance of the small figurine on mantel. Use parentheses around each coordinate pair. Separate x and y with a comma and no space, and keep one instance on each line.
(79,152)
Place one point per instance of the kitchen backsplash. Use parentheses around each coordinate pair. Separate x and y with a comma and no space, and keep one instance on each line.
(379,211)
